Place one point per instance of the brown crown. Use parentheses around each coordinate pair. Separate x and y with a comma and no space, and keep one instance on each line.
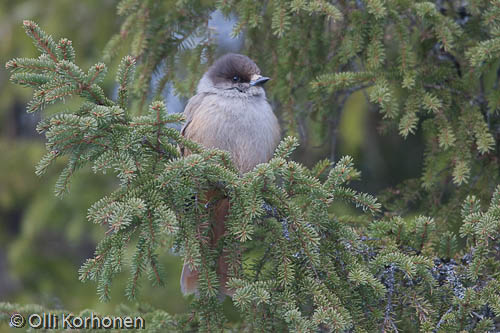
(231,64)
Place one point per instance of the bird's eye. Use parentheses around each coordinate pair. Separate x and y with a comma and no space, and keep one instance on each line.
(236,78)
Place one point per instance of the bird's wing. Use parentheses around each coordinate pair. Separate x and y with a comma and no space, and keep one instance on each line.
(189,111)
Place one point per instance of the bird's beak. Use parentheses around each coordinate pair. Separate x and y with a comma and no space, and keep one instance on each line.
(258,80)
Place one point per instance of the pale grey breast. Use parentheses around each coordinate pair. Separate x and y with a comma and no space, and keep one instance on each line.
(245,127)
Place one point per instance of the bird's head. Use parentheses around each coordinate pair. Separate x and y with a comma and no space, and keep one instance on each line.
(233,75)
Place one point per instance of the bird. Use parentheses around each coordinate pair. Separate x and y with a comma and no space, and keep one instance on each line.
(230,112)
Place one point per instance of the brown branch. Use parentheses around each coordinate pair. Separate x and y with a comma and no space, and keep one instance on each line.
(39,40)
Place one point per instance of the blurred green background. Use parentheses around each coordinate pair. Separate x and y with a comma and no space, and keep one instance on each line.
(44,240)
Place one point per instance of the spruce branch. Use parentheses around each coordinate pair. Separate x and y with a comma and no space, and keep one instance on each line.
(296,262)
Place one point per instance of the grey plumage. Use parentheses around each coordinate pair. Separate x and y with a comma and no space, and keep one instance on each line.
(229,112)
(233,116)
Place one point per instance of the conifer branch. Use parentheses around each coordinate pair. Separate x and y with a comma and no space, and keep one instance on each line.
(296,262)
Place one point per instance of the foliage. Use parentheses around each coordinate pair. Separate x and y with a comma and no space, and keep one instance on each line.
(424,66)
(295,263)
